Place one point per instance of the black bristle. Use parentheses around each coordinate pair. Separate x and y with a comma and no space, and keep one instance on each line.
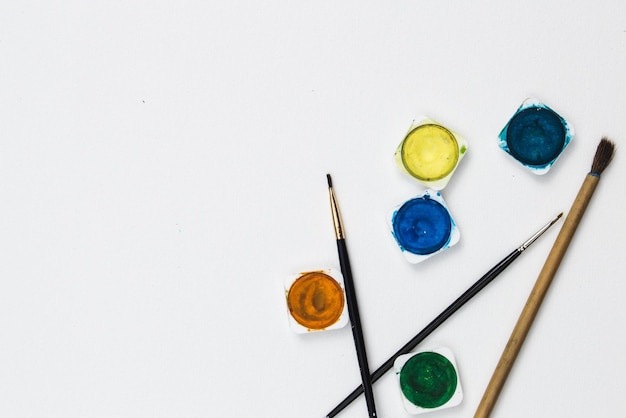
(330,181)
(604,155)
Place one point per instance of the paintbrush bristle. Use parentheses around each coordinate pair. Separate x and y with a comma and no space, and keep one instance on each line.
(604,155)
(330,181)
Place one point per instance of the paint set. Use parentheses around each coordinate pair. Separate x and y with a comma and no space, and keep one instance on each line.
(428,380)
(535,136)
(429,153)
(423,227)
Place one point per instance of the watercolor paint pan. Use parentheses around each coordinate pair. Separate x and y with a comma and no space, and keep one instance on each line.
(316,301)
(536,136)
(430,153)
(422,226)
(429,380)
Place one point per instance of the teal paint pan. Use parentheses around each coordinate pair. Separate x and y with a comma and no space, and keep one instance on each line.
(536,136)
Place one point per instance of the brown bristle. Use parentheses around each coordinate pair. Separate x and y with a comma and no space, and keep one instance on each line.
(604,155)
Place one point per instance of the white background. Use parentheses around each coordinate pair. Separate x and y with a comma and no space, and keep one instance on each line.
(162,171)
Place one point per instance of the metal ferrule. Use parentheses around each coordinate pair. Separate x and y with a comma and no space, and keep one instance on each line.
(339,232)
(532,239)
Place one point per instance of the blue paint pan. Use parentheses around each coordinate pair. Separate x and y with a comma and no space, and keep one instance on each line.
(423,226)
(536,136)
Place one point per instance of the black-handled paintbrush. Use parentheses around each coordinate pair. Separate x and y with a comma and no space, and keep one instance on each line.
(447,313)
(353,308)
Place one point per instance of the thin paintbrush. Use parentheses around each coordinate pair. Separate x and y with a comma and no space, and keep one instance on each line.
(447,313)
(353,308)
(602,158)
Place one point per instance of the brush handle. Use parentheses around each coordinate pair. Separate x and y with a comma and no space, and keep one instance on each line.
(357,330)
(536,297)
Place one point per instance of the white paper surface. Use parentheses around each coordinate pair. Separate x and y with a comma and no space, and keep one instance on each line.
(162,171)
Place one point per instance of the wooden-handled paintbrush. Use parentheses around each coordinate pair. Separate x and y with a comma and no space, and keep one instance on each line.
(602,158)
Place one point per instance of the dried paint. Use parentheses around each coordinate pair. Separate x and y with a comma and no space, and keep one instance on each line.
(430,153)
(535,136)
(422,226)
(316,300)
(428,380)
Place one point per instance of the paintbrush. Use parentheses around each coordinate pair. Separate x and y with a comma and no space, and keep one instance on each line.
(447,313)
(353,308)
(602,158)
